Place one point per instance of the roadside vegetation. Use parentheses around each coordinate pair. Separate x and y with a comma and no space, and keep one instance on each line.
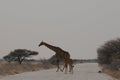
(20,60)
(109,57)
(27,66)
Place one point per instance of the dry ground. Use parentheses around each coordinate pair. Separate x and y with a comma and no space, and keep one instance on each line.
(15,68)
(113,73)
(84,71)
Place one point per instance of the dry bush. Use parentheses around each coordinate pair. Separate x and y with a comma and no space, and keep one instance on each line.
(15,68)
(107,69)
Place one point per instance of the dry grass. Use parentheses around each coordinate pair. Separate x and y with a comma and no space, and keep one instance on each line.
(15,68)
(113,73)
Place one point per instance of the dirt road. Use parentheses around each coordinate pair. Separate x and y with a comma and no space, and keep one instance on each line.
(85,71)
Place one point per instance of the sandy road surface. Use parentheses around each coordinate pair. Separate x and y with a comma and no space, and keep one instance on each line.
(85,71)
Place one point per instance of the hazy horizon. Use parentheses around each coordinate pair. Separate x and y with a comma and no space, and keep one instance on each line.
(79,26)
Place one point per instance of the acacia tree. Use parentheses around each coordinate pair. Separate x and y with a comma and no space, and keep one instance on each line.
(19,55)
(109,52)
(8,58)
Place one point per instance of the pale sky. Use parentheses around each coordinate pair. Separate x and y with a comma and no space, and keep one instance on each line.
(77,26)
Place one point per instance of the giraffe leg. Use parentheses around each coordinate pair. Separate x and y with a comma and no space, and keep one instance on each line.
(66,68)
(71,68)
(63,67)
(58,66)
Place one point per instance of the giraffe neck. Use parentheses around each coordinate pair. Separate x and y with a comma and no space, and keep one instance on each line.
(53,48)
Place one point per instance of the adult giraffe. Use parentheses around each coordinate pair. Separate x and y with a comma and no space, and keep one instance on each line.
(59,53)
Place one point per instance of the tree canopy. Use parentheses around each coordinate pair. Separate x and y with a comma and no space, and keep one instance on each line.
(19,55)
(109,52)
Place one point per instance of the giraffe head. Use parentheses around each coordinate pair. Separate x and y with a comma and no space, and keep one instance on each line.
(42,43)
